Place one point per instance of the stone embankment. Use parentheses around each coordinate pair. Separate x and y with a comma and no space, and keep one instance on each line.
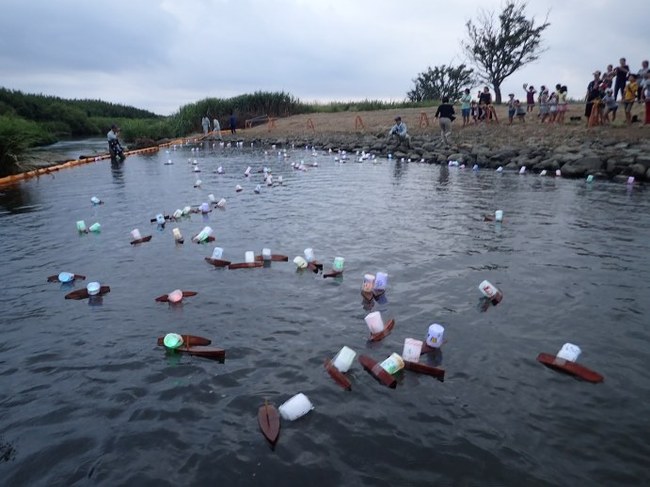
(605,152)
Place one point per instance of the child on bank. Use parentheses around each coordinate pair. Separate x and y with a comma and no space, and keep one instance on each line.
(629,96)
(520,111)
(474,111)
(465,106)
(530,97)
(609,106)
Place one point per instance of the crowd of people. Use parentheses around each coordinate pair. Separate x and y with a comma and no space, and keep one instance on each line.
(602,93)
(602,101)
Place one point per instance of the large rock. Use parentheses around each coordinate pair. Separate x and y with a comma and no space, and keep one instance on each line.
(429,146)
(550,164)
(644,160)
(638,170)
(457,156)
(564,149)
(581,167)
(505,154)
(564,158)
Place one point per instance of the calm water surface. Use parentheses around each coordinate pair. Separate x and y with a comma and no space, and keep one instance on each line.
(88,398)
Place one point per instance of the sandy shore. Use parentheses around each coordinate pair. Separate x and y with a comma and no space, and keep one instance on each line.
(379,123)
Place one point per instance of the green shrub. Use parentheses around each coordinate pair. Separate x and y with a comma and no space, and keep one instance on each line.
(16,136)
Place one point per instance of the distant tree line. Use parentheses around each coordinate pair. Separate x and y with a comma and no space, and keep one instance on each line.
(28,120)
(244,107)
(59,117)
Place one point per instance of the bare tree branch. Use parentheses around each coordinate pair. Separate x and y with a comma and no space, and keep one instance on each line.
(500,46)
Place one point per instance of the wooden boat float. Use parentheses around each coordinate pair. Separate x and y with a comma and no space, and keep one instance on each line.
(191,340)
(377,371)
(217,262)
(268,418)
(437,372)
(338,376)
(388,327)
(316,264)
(192,346)
(74,278)
(333,273)
(570,368)
(367,295)
(429,349)
(141,240)
(212,353)
(165,297)
(274,258)
(207,240)
(83,293)
(245,265)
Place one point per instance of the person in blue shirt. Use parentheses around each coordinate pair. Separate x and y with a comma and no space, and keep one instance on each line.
(400,131)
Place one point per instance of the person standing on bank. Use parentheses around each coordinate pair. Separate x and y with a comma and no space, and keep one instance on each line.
(445,115)
(205,122)
(629,97)
(216,127)
(233,123)
(622,71)
(465,106)
(114,147)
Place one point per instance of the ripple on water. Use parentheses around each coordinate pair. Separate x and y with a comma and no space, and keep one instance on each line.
(91,396)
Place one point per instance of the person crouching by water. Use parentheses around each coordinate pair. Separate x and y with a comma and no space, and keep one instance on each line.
(399,130)
(445,114)
(114,147)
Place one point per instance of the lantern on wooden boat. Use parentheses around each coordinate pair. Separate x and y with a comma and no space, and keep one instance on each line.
(173,340)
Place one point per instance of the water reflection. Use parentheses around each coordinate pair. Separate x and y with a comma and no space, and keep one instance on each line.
(117,171)
(17,199)
(279,322)
(443,175)
(399,170)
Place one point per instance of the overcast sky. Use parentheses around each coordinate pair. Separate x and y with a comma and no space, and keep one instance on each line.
(162,54)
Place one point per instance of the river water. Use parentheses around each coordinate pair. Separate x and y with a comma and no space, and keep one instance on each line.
(88,398)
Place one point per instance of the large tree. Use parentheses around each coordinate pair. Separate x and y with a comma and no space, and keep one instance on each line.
(499,48)
(442,81)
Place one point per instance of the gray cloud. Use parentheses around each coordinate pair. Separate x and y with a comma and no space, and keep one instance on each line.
(161,54)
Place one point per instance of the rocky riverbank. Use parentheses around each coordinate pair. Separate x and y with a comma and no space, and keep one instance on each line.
(614,151)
